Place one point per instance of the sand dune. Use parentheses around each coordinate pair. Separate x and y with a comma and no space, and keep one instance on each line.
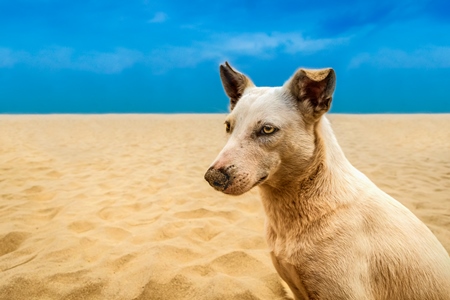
(116,207)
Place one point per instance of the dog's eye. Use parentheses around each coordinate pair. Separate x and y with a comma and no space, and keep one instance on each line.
(268,129)
(227,127)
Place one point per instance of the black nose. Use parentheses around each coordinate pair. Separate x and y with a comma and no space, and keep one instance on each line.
(217,178)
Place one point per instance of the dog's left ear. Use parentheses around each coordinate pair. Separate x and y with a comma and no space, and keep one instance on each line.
(313,89)
(234,83)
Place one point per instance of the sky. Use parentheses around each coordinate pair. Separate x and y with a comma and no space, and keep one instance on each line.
(110,56)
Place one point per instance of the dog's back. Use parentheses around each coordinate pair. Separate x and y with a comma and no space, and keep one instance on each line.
(406,261)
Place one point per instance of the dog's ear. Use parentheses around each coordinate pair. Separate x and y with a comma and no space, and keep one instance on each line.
(313,89)
(234,83)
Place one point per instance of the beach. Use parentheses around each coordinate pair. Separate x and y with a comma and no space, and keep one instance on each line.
(116,206)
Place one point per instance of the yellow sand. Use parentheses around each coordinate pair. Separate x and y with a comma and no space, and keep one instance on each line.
(116,207)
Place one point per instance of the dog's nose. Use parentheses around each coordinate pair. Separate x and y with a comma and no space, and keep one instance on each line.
(217,178)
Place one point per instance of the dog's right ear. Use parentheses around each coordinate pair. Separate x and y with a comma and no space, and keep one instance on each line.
(234,83)
(313,89)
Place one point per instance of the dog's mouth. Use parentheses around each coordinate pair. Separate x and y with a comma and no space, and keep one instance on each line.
(261,180)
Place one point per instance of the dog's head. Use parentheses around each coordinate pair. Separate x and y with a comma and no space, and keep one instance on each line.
(270,130)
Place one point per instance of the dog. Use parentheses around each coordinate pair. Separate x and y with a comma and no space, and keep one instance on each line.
(332,233)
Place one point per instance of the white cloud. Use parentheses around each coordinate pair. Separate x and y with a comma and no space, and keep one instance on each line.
(221,47)
(67,58)
(8,57)
(258,44)
(159,17)
(54,58)
(108,63)
(429,57)
(217,49)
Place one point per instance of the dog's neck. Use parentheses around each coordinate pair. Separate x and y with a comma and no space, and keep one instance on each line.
(320,188)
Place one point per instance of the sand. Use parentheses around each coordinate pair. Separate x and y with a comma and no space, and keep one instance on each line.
(116,207)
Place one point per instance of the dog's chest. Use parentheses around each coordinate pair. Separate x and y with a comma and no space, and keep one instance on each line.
(290,243)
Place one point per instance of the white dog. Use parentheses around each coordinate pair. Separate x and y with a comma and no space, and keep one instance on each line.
(332,233)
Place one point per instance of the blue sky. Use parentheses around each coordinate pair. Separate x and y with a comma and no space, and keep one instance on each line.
(162,56)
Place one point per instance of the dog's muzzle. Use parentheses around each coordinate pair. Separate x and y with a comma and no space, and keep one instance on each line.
(217,178)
